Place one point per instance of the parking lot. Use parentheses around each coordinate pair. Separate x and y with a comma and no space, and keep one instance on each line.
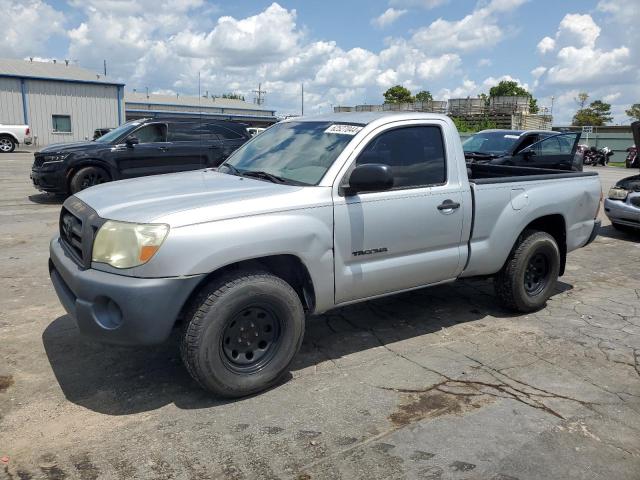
(438,383)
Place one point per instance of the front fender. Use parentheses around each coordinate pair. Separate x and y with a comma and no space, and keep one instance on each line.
(207,247)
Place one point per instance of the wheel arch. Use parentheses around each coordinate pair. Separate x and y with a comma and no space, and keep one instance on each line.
(288,267)
(89,162)
(11,136)
(556,226)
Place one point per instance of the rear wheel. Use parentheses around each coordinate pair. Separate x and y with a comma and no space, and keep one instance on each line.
(88,177)
(242,334)
(530,274)
(7,144)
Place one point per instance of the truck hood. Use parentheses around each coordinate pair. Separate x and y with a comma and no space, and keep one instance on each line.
(73,147)
(199,196)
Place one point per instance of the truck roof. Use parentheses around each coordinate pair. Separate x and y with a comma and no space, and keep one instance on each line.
(516,132)
(365,118)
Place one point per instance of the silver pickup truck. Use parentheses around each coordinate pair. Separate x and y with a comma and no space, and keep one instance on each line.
(310,215)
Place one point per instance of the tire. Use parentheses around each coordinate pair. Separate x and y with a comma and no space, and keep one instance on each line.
(620,227)
(529,275)
(88,177)
(7,144)
(242,333)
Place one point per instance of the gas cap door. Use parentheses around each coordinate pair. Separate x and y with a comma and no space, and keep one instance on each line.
(519,198)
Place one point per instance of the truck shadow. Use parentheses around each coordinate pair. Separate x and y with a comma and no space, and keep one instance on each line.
(123,380)
(629,235)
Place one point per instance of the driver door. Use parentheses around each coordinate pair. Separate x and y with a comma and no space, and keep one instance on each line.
(400,238)
(556,152)
(147,156)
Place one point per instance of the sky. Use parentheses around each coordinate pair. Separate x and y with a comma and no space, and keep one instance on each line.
(344,52)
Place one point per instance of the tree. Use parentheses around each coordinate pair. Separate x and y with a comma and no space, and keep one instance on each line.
(424,96)
(510,88)
(398,94)
(581,99)
(596,114)
(634,111)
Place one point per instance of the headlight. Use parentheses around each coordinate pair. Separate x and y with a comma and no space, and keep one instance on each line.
(55,158)
(126,245)
(617,193)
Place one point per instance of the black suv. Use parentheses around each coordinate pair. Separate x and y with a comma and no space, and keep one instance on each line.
(528,148)
(137,148)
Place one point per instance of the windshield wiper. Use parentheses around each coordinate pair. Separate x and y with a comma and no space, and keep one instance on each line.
(230,169)
(263,175)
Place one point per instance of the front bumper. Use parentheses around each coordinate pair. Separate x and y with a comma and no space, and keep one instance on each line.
(115,308)
(49,181)
(622,213)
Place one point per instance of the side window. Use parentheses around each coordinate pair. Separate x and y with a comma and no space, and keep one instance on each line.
(415,155)
(556,145)
(156,132)
(223,132)
(184,132)
(529,140)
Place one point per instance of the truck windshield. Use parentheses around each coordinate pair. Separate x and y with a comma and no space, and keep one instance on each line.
(293,152)
(117,132)
(490,143)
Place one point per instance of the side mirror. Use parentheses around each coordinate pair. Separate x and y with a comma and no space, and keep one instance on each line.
(370,177)
(131,141)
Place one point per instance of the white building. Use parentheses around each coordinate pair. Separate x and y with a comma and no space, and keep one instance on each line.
(141,105)
(59,101)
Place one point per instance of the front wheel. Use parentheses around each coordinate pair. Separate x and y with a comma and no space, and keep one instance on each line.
(242,333)
(88,177)
(529,276)
(7,145)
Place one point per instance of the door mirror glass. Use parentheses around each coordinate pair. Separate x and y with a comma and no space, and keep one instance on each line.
(370,177)
(131,141)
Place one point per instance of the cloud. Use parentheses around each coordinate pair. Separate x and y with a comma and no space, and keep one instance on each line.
(389,16)
(578,29)
(478,30)
(547,44)
(28,26)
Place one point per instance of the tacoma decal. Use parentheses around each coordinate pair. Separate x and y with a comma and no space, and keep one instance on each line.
(370,251)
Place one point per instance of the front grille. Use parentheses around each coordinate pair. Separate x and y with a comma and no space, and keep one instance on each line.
(38,161)
(78,226)
(635,201)
(71,232)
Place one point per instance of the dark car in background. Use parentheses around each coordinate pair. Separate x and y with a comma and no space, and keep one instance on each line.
(525,148)
(135,149)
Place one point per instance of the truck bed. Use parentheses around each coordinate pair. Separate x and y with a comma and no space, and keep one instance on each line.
(506,199)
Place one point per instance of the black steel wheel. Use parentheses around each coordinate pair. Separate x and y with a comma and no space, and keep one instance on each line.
(242,333)
(88,177)
(529,275)
(536,275)
(250,338)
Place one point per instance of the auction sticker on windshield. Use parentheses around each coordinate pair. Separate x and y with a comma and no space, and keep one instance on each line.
(343,129)
(511,136)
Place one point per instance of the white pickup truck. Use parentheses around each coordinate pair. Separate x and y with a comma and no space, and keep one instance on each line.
(13,135)
(312,214)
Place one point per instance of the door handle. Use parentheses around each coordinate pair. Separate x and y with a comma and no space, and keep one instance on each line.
(163,149)
(448,205)
(214,147)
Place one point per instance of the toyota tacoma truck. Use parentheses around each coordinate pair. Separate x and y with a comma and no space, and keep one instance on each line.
(312,214)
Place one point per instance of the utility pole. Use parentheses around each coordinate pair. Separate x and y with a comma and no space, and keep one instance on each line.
(259,99)
(302,99)
(552,99)
(105,67)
